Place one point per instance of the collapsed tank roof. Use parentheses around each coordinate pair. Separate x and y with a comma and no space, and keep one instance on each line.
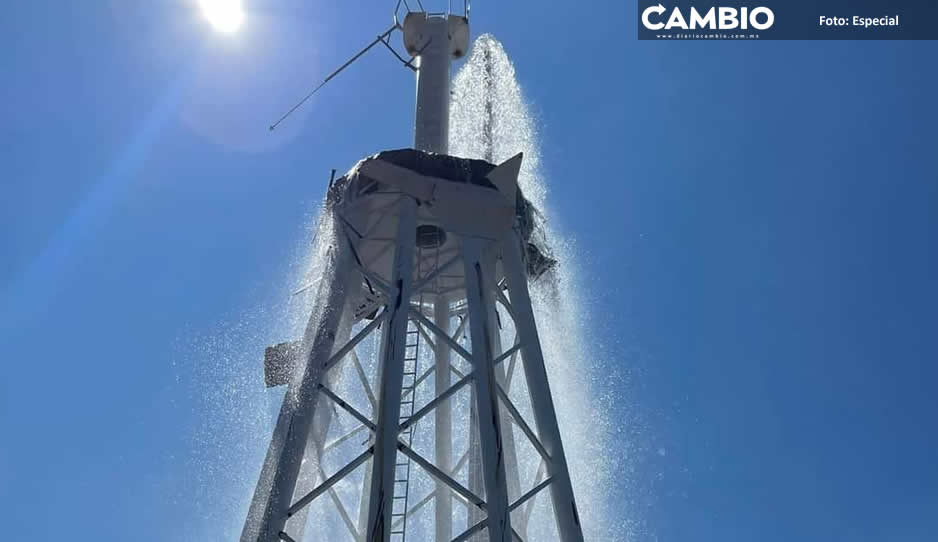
(357,183)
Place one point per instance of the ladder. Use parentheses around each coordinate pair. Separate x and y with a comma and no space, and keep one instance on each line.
(402,463)
(408,397)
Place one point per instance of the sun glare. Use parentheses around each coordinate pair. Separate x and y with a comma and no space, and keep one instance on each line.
(225,15)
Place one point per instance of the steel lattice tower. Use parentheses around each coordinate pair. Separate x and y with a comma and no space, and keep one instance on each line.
(427,248)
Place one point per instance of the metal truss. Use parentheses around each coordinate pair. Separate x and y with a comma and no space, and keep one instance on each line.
(493,368)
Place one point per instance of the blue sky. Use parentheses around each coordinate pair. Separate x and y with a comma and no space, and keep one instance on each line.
(757,223)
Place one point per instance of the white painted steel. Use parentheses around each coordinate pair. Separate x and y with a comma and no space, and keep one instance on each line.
(478,221)
(267,515)
(443,422)
(322,421)
(565,511)
(431,36)
(393,341)
(490,433)
(511,455)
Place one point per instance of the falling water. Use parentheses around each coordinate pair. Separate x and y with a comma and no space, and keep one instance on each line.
(490,120)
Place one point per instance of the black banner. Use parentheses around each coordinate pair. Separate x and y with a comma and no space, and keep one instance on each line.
(788,20)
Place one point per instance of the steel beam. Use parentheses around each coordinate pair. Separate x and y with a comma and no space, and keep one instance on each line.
(488,288)
(267,514)
(490,431)
(561,489)
(450,341)
(329,482)
(393,341)
(435,403)
(322,421)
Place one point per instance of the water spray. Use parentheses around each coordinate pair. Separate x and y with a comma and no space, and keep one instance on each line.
(431,255)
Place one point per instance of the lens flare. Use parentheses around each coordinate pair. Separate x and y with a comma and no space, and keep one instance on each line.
(224,15)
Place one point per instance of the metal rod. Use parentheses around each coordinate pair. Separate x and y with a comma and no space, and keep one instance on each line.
(483,523)
(435,493)
(347,407)
(416,508)
(459,329)
(408,64)
(523,424)
(331,75)
(433,404)
(354,341)
(340,507)
(500,295)
(329,482)
(441,334)
(364,380)
(461,463)
(379,282)
(426,336)
(541,471)
(507,353)
(511,366)
(442,476)
(430,370)
(343,438)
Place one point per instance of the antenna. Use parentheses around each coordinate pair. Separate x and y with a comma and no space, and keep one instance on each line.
(384,38)
(381,38)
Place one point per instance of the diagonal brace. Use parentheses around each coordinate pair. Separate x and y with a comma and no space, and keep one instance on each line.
(441,476)
(354,341)
(441,334)
(331,481)
(435,402)
(347,407)
(506,402)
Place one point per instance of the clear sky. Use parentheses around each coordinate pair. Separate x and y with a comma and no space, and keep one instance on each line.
(757,222)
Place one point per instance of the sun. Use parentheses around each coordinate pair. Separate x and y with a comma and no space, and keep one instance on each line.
(225,15)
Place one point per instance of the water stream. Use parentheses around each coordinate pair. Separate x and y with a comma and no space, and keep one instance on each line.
(486,91)
(489,119)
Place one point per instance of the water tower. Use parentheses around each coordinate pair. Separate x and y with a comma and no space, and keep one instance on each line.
(430,259)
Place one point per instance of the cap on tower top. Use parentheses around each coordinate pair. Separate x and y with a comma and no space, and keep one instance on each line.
(416,35)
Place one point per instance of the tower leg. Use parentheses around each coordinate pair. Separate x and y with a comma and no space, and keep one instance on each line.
(393,341)
(565,511)
(443,423)
(490,434)
(512,474)
(322,421)
(366,484)
(475,478)
(267,515)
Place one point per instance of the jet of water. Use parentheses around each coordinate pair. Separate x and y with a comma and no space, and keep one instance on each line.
(489,119)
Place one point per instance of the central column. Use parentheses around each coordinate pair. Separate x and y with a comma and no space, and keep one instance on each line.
(431,131)
(393,348)
(443,426)
(429,38)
